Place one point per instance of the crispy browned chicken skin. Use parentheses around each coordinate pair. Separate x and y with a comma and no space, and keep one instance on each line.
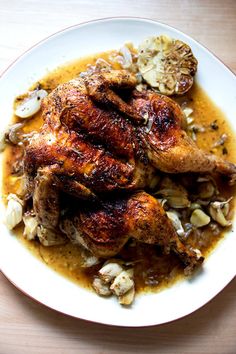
(106,225)
(105,228)
(168,146)
(98,146)
(94,146)
(93,142)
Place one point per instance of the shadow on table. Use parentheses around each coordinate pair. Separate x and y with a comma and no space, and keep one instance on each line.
(181,333)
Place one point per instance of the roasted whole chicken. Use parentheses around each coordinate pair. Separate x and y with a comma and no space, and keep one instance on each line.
(101,137)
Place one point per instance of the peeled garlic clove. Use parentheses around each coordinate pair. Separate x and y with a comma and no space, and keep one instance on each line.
(122,283)
(31,104)
(31,224)
(109,271)
(127,298)
(174,218)
(199,218)
(100,287)
(14,212)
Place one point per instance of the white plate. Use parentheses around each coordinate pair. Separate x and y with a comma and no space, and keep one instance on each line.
(35,278)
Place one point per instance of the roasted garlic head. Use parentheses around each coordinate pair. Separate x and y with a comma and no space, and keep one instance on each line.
(167,64)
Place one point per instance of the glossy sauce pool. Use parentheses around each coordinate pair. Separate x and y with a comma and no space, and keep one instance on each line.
(152,269)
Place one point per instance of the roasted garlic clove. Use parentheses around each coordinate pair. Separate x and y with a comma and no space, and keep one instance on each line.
(100,287)
(14,211)
(15,133)
(127,57)
(30,104)
(31,224)
(175,194)
(3,134)
(219,211)
(109,271)
(174,218)
(206,190)
(127,298)
(122,283)
(194,206)
(199,218)
(112,278)
(167,64)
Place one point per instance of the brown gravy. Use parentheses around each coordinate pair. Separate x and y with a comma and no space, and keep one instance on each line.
(152,269)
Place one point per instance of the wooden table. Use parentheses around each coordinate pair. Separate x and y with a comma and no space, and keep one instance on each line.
(28,327)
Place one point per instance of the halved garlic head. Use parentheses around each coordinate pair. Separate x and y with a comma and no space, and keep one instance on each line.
(167,64)
(30,104)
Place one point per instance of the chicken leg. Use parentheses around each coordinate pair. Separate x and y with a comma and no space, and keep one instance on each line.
(105,229)
(168,146)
